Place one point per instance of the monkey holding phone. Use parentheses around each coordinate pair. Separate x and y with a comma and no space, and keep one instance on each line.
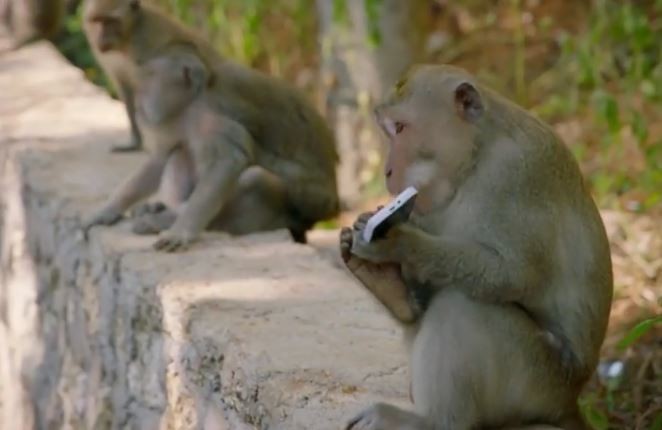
(502,274)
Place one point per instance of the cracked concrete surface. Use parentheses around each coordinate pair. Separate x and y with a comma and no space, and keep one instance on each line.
(236,333)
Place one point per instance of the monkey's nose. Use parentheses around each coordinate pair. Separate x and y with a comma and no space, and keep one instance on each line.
(389,172)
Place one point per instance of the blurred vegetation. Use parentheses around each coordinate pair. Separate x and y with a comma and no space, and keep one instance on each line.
(591,68)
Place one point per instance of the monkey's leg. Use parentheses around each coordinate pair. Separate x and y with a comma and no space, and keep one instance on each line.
(381,416)
(312,199)
(222,157)
(177,182)
(126,94)
(476,364)
(384,281)
(153,223)
(258,203)
(178,178)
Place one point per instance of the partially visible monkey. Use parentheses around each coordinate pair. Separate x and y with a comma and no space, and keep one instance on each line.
(502,276)
(258,158)
(123,34)
(31,20)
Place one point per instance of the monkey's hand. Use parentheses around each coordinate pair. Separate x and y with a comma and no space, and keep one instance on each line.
(381,416)
(104,216)
(174,239)
(147,208)
(383,250)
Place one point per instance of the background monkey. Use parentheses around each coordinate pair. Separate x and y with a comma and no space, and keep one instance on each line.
(258,158)
(502,275)
(123,34)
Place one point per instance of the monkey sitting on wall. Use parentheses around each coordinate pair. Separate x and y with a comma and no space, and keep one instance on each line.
(123,34)
(258,158)
(502,275)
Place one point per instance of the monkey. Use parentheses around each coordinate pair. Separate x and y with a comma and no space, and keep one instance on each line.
(123,34)
(31,20)
(259,158)
(502,275)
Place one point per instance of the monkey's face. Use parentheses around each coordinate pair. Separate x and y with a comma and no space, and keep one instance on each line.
(430,124)
(167,85)
(111,23)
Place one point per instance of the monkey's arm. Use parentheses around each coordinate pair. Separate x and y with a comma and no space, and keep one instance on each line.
(438,261)
(142,184)
(487,272)
(230,151)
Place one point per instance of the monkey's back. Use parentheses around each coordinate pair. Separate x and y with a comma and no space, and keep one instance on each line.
(292,139)
(567,223)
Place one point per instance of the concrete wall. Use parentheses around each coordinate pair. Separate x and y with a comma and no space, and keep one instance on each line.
(236,333)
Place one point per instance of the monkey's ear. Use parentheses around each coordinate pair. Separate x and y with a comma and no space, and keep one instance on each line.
(134,5)
(468,102)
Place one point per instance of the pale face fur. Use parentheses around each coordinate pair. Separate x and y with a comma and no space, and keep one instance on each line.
(430,141)
(109,22)
(168,85)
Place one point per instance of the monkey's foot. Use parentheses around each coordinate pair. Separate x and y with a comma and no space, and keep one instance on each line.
(133,145)
(153,223)
(147,208)
(383,280)
(103,217)
(381,416)
(171,241)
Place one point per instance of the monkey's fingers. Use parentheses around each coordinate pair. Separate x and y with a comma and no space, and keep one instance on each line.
(346,237)
(360,222)
(360,422)
(168,245)
(171,242)
(148,208)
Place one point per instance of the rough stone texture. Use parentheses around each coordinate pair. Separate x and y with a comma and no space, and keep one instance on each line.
(237,333)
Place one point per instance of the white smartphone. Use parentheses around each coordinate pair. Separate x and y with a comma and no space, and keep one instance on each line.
(396,212)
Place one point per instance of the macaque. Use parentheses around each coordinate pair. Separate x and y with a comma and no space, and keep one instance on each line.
(122,34)
(31,20)
(257,158)
(501,276)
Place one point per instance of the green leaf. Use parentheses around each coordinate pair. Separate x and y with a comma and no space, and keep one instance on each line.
(638,331)
(340,13)
(372,8)
(607,107)
(657,422)
(596,418)
(639,126)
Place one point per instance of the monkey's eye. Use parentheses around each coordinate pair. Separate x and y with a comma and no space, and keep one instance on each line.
(399,127)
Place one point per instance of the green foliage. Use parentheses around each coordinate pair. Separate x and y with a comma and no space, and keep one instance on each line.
(615,79)
(340,12)
(592,413)
(372,8)
(638,331)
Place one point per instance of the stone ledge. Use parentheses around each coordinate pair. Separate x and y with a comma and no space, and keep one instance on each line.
(252,332)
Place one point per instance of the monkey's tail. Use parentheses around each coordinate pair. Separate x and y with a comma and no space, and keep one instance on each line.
(299,235)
